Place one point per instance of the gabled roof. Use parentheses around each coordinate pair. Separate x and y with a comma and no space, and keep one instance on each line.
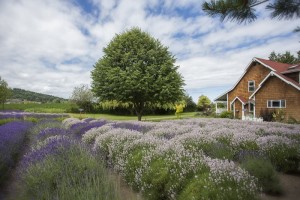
(272,65)
(241,99)
(280,76)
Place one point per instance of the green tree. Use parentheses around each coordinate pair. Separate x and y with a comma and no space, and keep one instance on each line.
(137,69)
(203,103)
(190,105)
(243,10)
(5,92)
(287,57)
(83,97)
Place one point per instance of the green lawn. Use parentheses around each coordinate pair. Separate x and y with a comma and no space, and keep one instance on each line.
(144,118)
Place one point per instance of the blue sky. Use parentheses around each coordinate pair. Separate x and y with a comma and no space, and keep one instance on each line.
(50,46)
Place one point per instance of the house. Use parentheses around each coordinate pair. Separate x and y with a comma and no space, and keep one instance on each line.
(265,86)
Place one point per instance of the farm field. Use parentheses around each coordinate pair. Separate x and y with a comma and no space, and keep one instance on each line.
(41,108)
(195,158)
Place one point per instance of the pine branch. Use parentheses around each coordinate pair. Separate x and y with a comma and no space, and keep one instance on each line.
(285,9)
(236,10)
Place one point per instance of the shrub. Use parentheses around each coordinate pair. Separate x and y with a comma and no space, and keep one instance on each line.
(282,151)
(267,114)
(265,173)
(226,114)
(205,186)
(169,172)
(73,173)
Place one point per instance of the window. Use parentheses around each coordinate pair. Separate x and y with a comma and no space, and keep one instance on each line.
(251,86)
(276,103)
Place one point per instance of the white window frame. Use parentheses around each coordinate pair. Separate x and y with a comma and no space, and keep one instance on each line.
(251,86)
(279,101)
(251,111)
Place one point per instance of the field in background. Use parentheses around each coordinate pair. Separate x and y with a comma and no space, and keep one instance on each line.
(41,108)
(144,118)
(67,107)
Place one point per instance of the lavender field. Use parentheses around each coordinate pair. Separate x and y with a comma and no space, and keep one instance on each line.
(197,158)
(180,159)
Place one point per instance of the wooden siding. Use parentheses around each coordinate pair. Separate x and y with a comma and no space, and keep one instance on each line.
(276,89)
(256,73)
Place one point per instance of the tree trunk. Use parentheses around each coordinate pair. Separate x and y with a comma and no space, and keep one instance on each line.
(139,107)
(139,117)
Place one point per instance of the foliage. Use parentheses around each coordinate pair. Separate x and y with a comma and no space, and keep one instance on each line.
(21,94)
(5,92)
(190,105)
(265,173)
(137,69)
(226,114)
(203,187)
(83,97)
(278,115)
(203,103)
(286,57)
(243,11)
(179,109)
(267,114)
(283,152)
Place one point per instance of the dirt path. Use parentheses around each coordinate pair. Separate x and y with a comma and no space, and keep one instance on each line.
(291,188)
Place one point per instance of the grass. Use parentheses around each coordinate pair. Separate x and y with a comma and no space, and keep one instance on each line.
(123,117)
(41,108)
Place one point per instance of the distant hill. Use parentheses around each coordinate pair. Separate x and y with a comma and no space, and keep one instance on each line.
(21,94)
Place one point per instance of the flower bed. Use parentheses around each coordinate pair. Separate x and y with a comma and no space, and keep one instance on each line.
(12,137)
(195,158)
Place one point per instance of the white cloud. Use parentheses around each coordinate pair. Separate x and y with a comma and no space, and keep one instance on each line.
(50,46)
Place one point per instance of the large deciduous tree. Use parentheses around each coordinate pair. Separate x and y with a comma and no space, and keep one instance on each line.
(244,10)
(286,57)
(137,69)
(5,92)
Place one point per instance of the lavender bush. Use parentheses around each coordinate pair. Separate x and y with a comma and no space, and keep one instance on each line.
(60,167)
(12,136)
(158,158)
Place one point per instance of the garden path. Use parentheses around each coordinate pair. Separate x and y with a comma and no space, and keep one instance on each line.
(291,188)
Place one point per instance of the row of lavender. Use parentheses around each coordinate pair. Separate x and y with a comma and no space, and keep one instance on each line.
(23,115)
(192,159)
(59,166)
(12,136)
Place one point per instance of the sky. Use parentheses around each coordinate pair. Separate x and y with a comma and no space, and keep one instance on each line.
(51,46)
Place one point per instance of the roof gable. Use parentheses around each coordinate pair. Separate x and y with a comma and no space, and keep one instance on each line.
(277,67)
(280,76)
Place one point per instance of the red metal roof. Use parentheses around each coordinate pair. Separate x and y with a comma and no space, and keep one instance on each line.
(277,66)
(244,100)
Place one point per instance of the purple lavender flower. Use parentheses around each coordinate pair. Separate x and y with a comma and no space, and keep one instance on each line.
(12,136)
(54,145)
(79,129)
(51,132)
